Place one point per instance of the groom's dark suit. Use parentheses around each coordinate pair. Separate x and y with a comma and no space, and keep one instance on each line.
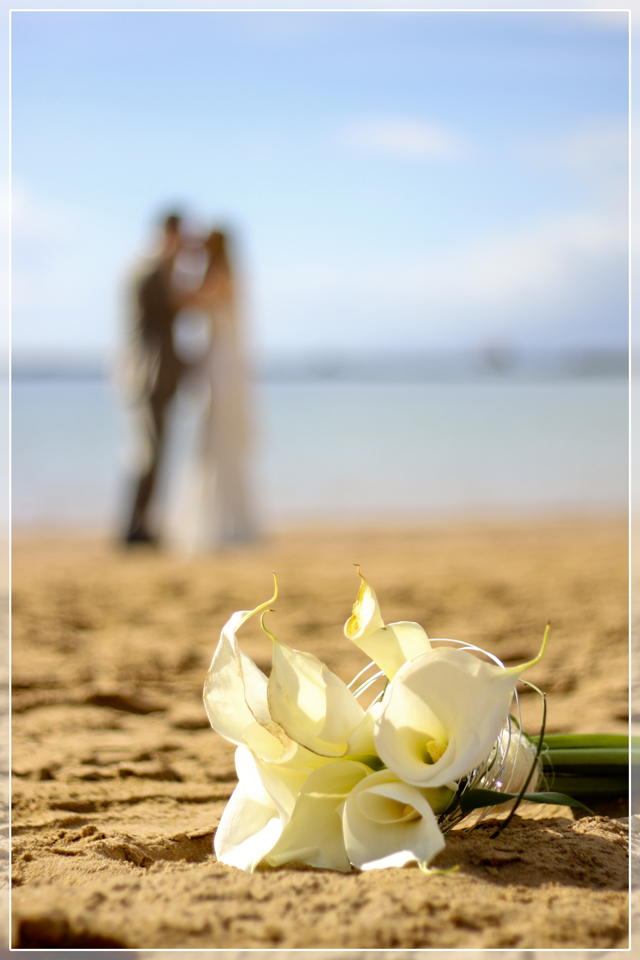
(157,373)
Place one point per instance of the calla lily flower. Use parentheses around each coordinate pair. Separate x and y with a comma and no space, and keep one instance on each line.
(388,823)
(235,695)
(442,714)
(390,645)
(278,814)
(251,823)
(310,703)
(260,807)
(314,833)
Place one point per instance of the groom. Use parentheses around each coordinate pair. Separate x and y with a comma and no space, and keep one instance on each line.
(157,370)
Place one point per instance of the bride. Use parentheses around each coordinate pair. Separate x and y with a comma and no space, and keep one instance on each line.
(220,505)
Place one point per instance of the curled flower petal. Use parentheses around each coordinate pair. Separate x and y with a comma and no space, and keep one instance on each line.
(365,617)
(390,645)
(235,696)
(309,702)
(314,834)
(251,823)
(388,823)
(442,714)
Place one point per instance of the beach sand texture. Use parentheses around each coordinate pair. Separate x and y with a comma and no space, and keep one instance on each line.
(119,783)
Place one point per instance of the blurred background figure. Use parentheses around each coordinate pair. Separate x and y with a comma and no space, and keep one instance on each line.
(153,371)
(218,508)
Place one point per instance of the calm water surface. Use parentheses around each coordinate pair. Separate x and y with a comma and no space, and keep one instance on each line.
(343,451)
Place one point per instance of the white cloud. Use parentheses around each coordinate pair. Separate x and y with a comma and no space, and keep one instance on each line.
(401,137)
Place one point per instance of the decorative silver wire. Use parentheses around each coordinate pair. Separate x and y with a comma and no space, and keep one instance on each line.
(371,663)
(486,776)
(367,683)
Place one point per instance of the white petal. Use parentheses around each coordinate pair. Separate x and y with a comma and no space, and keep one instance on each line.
(312,704)
(452,698)
(224,699)
(251,823)
(261,805)
(263,743)
(313,835)
(284,781)
(411,638)
(388,823)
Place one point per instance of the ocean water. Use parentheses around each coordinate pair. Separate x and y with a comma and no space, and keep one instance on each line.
(342,451)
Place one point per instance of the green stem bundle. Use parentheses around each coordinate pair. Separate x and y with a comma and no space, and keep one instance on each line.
(587,764)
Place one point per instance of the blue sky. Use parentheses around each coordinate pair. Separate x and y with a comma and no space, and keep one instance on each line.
(394,180)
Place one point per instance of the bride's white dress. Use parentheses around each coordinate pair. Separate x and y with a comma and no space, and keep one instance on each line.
(217,502)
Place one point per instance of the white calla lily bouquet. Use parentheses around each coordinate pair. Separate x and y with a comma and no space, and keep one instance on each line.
(325,782)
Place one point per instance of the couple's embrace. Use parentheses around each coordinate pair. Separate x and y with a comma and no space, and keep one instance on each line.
(216,501)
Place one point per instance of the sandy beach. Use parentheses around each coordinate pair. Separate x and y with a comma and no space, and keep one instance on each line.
(119,782)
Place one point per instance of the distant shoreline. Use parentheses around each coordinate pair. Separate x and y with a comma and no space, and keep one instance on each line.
(393,366)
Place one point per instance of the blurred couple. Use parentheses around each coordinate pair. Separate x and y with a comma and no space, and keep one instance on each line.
(218,508)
